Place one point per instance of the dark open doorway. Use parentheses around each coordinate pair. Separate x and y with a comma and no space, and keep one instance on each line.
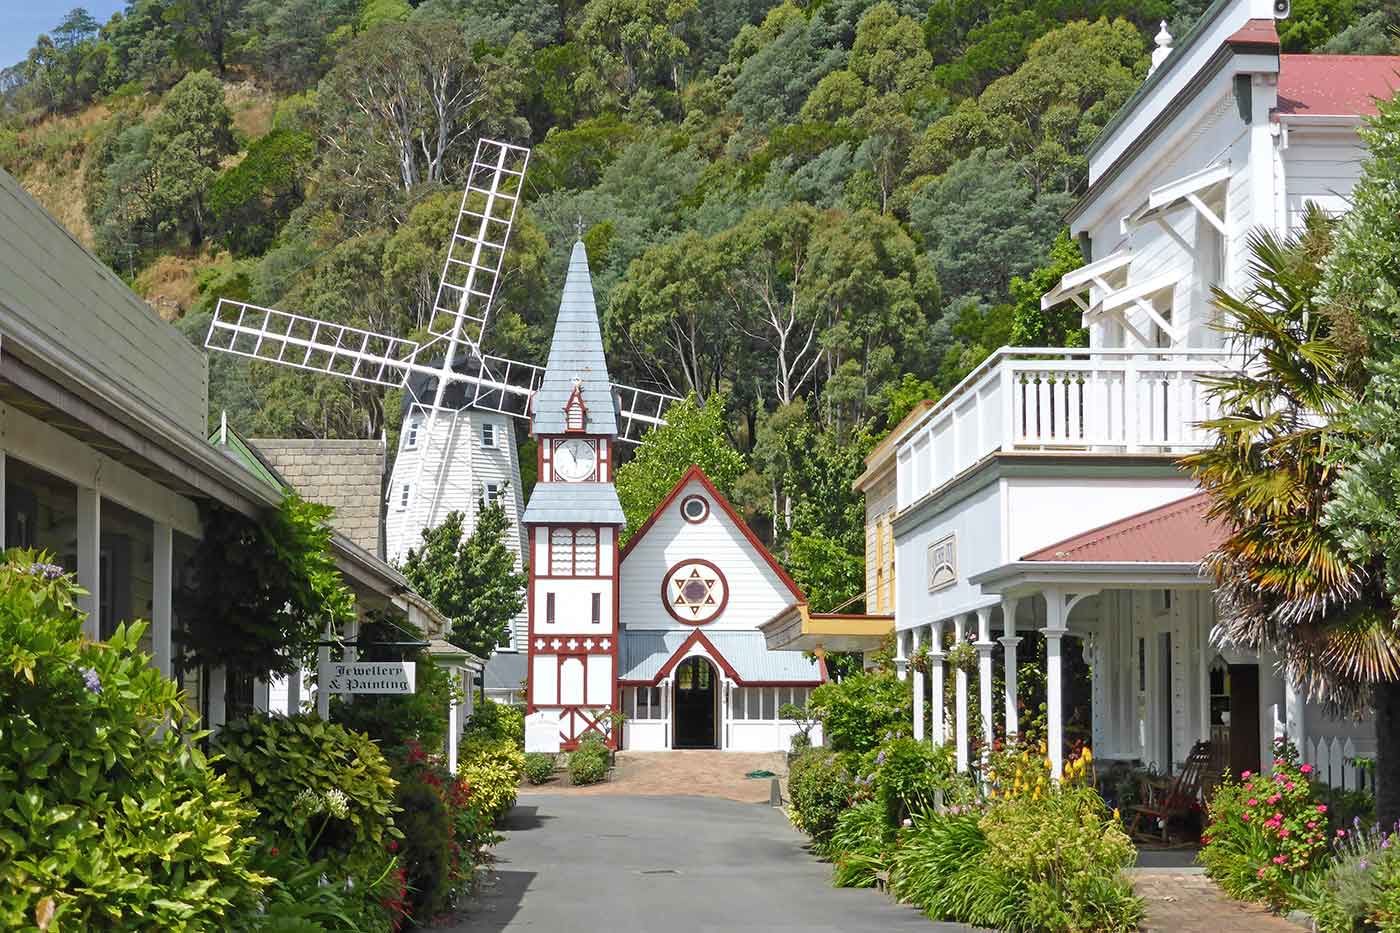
(696,691)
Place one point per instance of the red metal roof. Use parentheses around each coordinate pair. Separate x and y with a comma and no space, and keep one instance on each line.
(1335,85)
(1255,33)
(1175,533)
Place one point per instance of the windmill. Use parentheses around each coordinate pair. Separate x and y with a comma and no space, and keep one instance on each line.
(457,443)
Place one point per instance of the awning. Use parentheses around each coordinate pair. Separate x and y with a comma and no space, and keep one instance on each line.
(797,628)
(1188,190)
(1073,284)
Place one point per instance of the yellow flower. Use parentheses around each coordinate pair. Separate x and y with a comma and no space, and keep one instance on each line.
(1115,814)
(1088,755)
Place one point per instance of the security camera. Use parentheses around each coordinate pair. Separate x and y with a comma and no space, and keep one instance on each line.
(1282,8)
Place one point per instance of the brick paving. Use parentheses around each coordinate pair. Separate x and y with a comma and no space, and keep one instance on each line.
(1186,901)
(699,773)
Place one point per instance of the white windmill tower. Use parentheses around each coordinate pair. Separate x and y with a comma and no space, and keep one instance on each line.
(457,443)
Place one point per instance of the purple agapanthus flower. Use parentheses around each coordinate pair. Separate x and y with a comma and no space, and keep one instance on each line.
(91,680)
(47,571)
(880,758)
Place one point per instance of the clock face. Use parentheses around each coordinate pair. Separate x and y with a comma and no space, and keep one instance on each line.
(575,460)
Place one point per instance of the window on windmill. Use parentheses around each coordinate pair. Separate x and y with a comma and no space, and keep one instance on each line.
(415,426)
(493,493)
(405,492)
(488,434)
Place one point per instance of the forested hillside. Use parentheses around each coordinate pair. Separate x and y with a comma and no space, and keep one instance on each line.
(820,212)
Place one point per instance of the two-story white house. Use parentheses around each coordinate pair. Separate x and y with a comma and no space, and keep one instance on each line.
(1043,492)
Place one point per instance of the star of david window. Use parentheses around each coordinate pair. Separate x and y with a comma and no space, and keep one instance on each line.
(694,592)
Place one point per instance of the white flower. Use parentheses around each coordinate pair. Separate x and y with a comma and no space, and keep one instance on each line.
(337,803)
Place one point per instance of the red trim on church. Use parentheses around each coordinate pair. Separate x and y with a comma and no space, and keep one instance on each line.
(714,654)
(695,473)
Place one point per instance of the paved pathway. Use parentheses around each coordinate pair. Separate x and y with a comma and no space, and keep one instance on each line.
(575,863)
(696,772)
(1188,902)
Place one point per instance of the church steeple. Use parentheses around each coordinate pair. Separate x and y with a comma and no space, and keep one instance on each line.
(577,371)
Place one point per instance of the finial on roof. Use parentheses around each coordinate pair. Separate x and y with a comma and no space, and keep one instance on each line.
(1163,49)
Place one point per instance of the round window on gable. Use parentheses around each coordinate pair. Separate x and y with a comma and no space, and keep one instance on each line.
(694,508)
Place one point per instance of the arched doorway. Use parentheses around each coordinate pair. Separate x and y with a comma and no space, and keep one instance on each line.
(697,693)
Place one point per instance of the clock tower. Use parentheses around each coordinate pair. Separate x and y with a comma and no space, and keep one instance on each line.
(572,522)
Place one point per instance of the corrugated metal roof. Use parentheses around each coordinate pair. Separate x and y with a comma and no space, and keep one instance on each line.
(1178,532)
(1335,85)
(574,503)
(645,651)
(505,670)
(576,354)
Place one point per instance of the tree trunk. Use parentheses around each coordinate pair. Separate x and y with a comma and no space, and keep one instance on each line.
(1388,754)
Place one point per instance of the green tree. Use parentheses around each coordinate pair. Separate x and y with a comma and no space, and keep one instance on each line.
(693,435)
(471,580)
(635,43)
(1059,326)
(1363,287)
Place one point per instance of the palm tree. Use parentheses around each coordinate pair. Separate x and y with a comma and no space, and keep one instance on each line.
(1287,581)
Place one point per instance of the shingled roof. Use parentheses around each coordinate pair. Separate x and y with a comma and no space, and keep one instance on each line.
(576,357)
(1178,532)
(346,475)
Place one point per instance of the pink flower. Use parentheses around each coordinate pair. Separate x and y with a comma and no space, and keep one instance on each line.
(1274,799)
(1289,786)
(1244,817)
(1261,873)
(1248,774)
(1306,769)
(1322,808)
(1253,801)
(1312,825)
(1341,833)
(1280,859)
(1283,834)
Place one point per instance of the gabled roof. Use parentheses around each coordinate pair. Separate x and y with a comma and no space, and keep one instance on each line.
(648,655)
(1178,532)
(576,357)
(1335,85)
(698,475)
(574,503)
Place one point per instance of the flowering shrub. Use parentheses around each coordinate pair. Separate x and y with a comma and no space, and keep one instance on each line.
(1021,767)
(820,787)
(107,821)
(1264,831)
(857,713)
(1360,887)
(905,775)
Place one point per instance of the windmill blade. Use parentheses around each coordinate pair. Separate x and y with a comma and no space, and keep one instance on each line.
(639,410)
(478,245)
(274,336)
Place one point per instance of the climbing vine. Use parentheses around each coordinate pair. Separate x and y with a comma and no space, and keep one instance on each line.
(256,594)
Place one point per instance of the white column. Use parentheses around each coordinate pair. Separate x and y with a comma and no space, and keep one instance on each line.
(938,731)
(901,659)
(984,674)
(1055,724)
(162,597)
(1009,641)
(454,724)
(960,727)
(262,695)
(217,687)
(90,557)
(1293,719)
(918,690)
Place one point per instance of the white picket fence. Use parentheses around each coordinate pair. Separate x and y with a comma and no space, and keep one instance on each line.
(1334,761)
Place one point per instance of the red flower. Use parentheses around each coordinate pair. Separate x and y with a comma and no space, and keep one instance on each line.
(272,851)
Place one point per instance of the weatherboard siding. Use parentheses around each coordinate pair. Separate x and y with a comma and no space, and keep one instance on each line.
(756,593)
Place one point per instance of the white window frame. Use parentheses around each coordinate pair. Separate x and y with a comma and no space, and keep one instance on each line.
(404,498)
(415,427)
(491,428)
(492,492)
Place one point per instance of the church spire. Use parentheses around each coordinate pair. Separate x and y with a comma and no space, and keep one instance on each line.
(577,369)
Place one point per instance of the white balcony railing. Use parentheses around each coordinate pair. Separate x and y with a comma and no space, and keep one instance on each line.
(1090,400)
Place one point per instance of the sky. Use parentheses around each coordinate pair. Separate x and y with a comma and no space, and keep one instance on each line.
(21,22)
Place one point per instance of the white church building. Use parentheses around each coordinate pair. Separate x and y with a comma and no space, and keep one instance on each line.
(666,629)
(1043,493)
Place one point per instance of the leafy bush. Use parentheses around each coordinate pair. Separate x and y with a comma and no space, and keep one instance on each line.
(860,845)
(1359,888)
(820,786)
(496,722)
(1051,863)
(588,764)
(286,764)
(907,774)
(858,712)
(492,769)
(539,767)
(1263,832)
(394,720)
(107,821)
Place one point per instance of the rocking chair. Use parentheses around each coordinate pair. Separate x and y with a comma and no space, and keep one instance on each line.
(1180,795)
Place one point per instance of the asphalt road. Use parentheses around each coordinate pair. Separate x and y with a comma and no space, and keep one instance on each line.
(670,865)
